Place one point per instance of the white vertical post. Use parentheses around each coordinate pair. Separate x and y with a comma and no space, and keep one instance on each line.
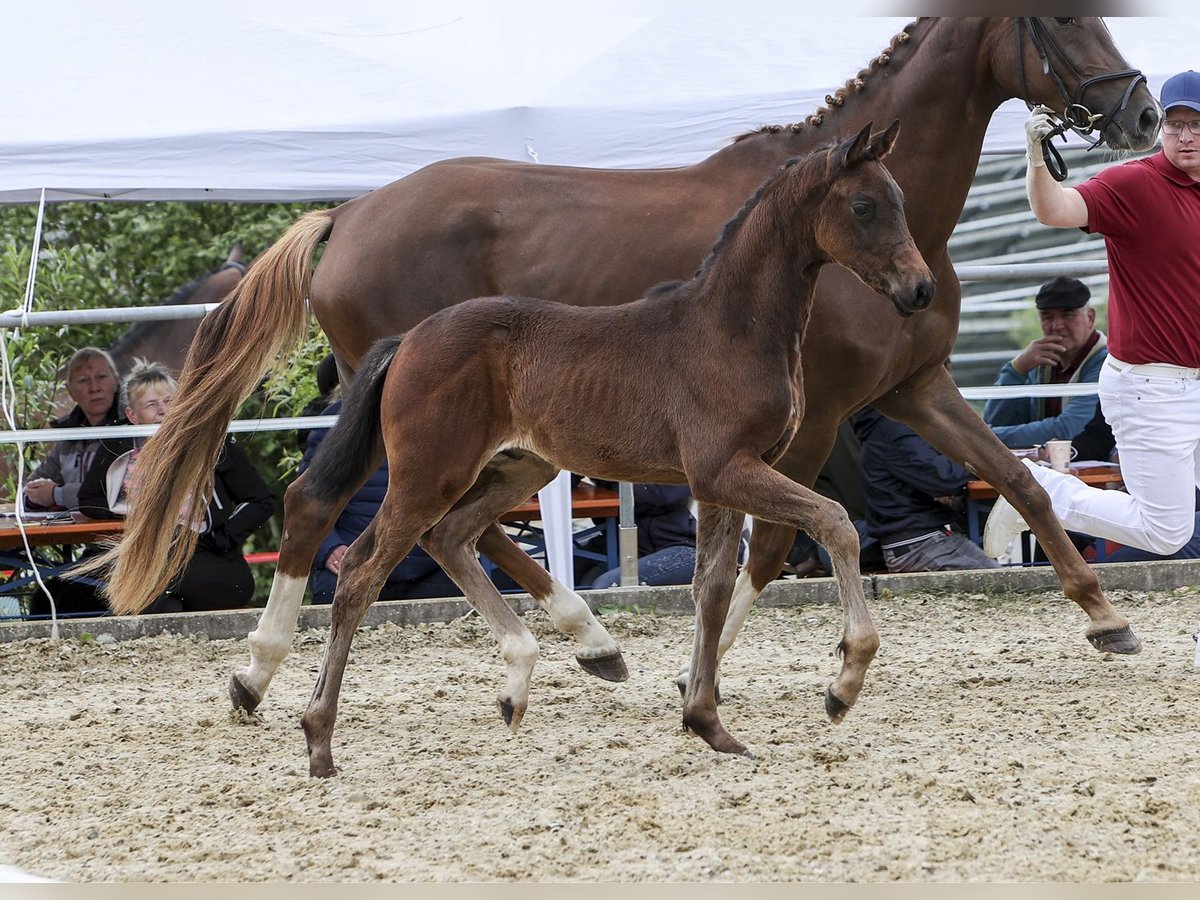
(555,500)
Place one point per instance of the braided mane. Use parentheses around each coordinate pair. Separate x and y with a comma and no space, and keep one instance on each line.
(838,98)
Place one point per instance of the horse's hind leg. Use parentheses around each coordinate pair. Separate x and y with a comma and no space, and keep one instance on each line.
(365,568)
(518,646)
(717,536)
(307,519)
(507,480)
(767,494)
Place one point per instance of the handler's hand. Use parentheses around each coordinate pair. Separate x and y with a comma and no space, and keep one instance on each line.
(1038,126)
(1045,351)
(333,562)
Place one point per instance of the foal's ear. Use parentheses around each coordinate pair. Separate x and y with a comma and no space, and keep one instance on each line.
(854,150)
(882,143)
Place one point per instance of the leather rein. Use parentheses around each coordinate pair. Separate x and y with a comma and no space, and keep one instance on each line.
(1075,116)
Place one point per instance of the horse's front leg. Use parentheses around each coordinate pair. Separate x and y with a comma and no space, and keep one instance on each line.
(717,534)
(307,519)
(769,547)
(769,495)
(936,410)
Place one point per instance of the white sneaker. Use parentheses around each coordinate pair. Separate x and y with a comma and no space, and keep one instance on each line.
(1003,524)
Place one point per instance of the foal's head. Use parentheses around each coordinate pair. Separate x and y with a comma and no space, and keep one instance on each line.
(860,221)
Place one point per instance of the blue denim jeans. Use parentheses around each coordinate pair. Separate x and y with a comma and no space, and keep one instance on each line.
(671,565)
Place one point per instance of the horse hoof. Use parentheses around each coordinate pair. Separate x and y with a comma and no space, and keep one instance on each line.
(511,715)
(321,770)
(610,667)
(241,696)
(834,707)
(1116,640)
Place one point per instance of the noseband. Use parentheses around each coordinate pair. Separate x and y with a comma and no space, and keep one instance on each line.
(1075,115)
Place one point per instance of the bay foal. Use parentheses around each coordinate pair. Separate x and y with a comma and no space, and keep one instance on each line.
(698,382)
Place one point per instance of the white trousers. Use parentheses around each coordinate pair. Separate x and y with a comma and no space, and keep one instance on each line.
(1154,412)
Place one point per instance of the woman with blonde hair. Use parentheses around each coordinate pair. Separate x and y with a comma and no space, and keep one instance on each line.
(218,576)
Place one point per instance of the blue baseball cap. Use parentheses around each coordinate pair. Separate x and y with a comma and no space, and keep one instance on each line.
(1182,90)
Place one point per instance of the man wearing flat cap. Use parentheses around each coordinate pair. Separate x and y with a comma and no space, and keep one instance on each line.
(1070,350)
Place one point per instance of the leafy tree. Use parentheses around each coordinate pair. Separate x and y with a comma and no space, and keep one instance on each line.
(96,255)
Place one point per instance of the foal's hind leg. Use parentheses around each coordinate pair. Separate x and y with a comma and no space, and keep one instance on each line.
(518,646)
(717,536)
(508,479)
(767,494)
(307,519)
(365,568)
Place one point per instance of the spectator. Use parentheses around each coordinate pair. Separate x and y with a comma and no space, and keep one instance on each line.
(839,481)
(1070,350)
(666,536)
(914,497)
(218,576)
(92,384)
(1149,213)
(416,576)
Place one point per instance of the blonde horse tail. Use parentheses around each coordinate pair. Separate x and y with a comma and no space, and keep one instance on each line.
(264,317)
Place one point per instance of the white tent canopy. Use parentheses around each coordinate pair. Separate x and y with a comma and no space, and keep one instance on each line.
(193,104)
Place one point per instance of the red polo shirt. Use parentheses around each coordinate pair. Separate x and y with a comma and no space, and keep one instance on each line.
(1149,214)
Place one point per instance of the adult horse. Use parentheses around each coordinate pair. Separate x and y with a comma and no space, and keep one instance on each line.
(614,391)
(474,227)
(167,342)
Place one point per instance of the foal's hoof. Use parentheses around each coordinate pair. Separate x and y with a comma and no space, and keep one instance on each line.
(610,667)
(241,696)
(509,712)
(1116,640)
(834,707)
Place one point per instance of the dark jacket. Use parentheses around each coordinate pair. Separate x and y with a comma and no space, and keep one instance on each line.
(358,515)
(901,476)
(241,500)
(662,515)
(64,461)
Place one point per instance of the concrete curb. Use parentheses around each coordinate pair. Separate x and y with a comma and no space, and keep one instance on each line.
(673,600)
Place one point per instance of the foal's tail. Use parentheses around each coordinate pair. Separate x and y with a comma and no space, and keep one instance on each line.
(347,454)
(264,317)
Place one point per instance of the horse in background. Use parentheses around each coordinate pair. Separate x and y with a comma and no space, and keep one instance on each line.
(591,237)
(167,341)
(699,382)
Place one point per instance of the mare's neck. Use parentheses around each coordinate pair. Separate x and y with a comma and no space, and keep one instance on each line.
(935,84)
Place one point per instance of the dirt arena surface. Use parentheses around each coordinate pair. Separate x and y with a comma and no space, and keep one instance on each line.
(991,742)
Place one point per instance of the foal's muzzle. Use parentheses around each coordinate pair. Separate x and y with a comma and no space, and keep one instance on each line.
(914,298)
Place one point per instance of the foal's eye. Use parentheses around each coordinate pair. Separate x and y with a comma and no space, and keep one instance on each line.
(1064,20)
(862,208)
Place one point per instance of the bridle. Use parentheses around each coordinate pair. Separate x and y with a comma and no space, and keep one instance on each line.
(1075,116)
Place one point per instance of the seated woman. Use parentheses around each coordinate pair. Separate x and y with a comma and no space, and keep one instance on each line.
(218,576)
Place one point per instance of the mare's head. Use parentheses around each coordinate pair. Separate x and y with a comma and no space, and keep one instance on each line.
(860,221)
(1071,65)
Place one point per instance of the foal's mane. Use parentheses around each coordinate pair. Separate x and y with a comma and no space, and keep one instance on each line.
(838,98)
(734,224)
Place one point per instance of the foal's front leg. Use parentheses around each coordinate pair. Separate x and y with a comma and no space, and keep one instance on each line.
(718,532)
(769,495)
